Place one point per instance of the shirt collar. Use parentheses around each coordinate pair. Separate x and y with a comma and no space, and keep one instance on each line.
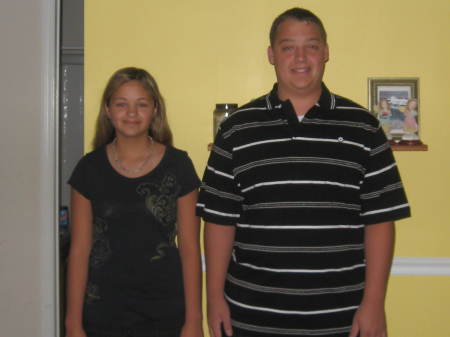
(326,102)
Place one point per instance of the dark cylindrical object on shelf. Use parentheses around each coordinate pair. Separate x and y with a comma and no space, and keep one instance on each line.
(221,112)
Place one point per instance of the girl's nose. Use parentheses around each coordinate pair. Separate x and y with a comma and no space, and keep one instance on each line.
(132,110)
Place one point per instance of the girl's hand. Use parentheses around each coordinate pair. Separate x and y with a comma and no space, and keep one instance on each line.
(75,332)
(192,329)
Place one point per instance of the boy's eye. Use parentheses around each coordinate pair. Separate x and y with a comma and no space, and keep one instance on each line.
(287,48)
(313,46)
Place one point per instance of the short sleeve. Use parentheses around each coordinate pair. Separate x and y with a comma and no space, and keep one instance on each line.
(79,180)
(220,200)
(382,196)
(189,180)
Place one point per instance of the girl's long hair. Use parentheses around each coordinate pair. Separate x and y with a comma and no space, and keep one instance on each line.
(159,127)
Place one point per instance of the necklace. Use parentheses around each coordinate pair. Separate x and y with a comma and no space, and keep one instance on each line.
(123,168)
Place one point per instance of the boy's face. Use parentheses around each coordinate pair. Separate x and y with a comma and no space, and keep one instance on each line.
(298,54)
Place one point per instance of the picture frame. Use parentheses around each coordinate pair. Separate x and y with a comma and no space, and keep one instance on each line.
(395,103)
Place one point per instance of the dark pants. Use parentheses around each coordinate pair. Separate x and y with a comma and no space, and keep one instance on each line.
(154,331)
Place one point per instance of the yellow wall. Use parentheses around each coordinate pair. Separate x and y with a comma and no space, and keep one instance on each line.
(204,52)
(418,306)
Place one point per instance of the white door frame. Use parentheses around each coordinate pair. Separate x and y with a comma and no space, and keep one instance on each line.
(50,17)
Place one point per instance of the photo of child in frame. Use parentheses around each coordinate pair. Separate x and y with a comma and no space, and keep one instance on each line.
(397,111)
(410,122)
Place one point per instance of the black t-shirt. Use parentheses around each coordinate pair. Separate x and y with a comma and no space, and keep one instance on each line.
(134,268)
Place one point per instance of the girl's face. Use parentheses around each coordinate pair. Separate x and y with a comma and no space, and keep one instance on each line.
(130,110)
(384,104)
(413,105)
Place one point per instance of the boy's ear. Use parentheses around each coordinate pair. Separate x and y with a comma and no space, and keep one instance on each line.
(270,55)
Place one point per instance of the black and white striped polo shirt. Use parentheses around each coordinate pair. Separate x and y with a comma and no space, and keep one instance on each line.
(300,195)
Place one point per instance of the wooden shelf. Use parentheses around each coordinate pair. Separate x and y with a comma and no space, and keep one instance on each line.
(409,147)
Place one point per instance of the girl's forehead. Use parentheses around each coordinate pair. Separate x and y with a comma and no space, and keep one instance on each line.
(132,88)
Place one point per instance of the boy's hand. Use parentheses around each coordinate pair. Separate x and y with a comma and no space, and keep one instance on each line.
(219,316)
(369,321)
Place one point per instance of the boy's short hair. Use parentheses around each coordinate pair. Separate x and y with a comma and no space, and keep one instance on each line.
(299,14)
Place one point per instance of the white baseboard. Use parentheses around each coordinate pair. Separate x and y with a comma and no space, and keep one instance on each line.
(421,266)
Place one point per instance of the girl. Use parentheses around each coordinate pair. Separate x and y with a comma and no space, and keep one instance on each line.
(410,113)
(384,115)
(130,198)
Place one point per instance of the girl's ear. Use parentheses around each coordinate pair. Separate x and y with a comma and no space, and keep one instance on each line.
(107,111)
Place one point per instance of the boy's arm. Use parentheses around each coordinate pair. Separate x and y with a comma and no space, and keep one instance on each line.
(370,317)
(219,242)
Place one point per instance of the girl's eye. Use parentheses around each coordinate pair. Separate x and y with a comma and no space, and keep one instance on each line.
(120,105)
(143,105)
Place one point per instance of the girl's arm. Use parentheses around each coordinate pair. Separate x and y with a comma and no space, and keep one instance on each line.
(189,247)
(77,269)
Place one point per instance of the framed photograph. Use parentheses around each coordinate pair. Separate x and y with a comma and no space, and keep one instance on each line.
(395,102)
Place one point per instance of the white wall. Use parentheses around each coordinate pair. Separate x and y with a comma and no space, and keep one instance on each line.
(27,168)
